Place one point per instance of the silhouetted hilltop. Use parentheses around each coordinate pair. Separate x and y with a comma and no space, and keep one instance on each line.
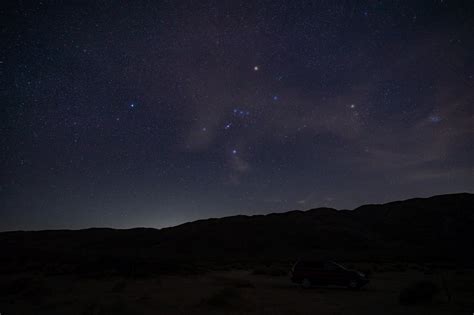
(436,228)
(419,226)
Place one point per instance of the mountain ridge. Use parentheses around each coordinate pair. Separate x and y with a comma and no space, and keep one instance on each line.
(295,211)
(418,229)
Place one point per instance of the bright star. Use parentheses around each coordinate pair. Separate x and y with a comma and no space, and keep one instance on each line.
(132,105)
(255,68)
(435,119)
(234,151)
(275,98)
(353,106)
(228,126)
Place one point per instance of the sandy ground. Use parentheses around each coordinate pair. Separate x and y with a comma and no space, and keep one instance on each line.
(229,292)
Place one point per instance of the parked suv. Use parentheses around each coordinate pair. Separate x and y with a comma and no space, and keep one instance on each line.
(308,273)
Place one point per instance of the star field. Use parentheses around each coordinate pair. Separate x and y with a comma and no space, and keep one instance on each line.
(127,113)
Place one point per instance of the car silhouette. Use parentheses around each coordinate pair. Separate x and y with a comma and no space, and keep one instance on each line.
(308,273)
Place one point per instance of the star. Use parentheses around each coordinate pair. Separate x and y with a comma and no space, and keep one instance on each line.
(240,113)
(435,119)
(150,108)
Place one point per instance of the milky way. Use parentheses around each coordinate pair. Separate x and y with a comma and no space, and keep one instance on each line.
(130,113)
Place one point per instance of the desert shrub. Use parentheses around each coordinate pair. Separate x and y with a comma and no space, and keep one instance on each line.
(15,286)
(400,267)
(223,298)
(114,306)
(259,271)
(231,265)
(274,271)
(417,267)
(119,286)
(234,282)
(191,269)
(429,271)
(144,299)
(444,266)
(418,292)
(278,271)
(29,287)
(244,284)
(241,266)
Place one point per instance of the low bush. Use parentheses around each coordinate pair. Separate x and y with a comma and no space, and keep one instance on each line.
(225,297)
(114,306)
(30,287)
(119,286)
(274,271)
(418,293)
(234,282)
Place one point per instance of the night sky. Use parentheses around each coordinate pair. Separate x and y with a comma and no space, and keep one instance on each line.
(131,113)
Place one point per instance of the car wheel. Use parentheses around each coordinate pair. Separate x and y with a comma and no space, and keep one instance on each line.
(306,284)
(353,284)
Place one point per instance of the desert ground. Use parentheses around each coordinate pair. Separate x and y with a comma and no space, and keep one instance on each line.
(234,292)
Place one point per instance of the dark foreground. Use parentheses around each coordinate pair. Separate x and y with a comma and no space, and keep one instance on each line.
(234,292)
(240,264)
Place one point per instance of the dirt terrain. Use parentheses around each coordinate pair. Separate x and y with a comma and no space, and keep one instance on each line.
(232,292)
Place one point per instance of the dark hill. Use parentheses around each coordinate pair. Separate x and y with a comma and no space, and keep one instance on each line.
(437,228)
